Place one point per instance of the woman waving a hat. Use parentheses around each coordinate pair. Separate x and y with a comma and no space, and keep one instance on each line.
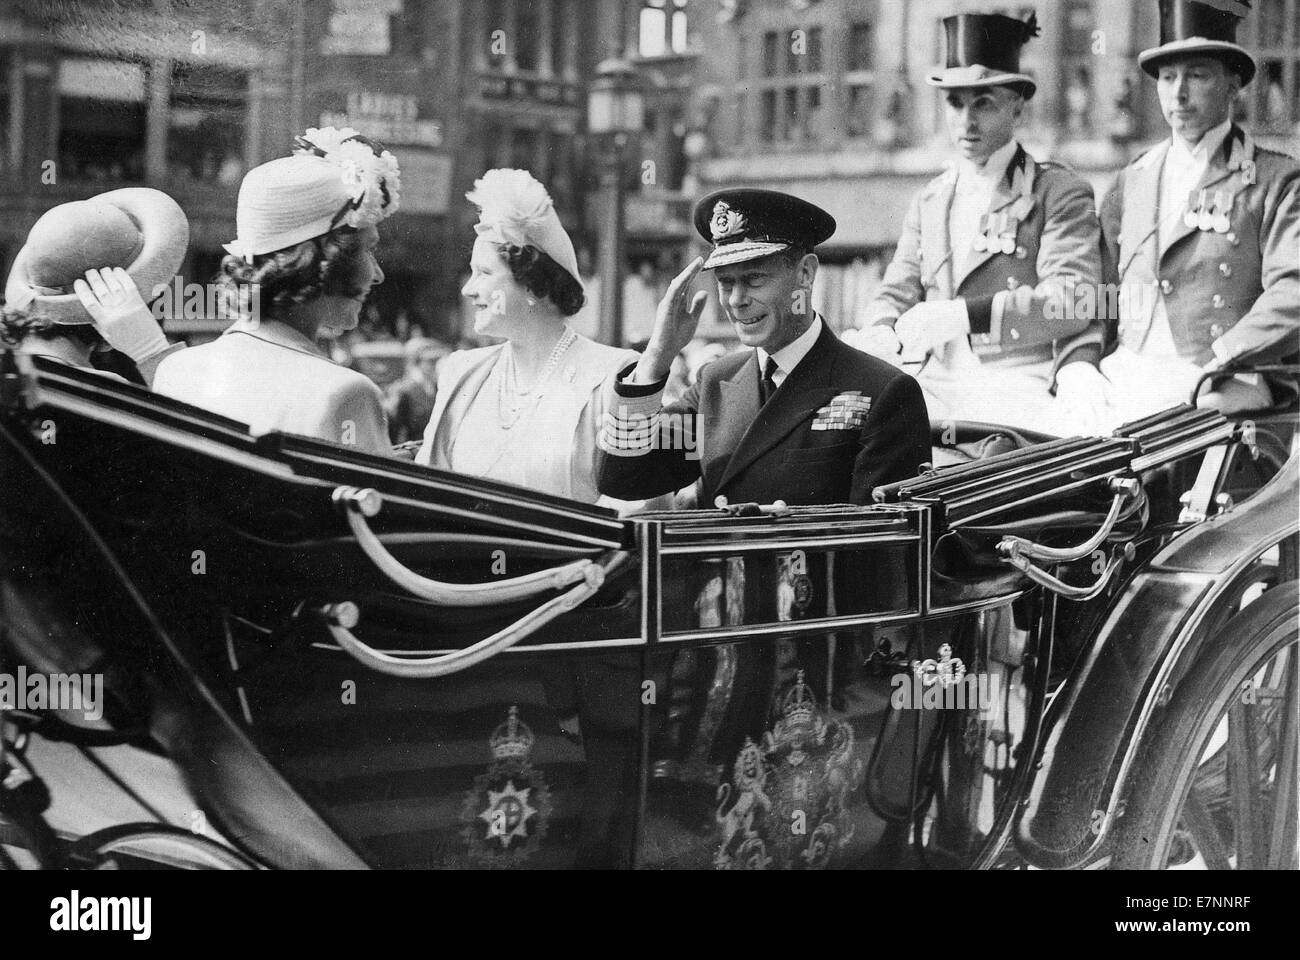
(300,269)
(88,268)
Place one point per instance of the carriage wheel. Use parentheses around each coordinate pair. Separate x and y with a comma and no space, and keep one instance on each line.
(153,846)
(1217,786)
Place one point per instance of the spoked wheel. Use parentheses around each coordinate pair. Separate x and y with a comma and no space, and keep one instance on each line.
(1217,785)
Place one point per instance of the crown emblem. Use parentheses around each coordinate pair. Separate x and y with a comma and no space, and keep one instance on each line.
(798,714)
(512,740)
(726,222)
(946,671)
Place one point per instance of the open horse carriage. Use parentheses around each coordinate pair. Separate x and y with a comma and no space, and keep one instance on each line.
(1058,653)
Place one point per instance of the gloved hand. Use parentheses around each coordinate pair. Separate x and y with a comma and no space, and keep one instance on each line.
(1083,401)
(879,340)
(930,324)
(121,316)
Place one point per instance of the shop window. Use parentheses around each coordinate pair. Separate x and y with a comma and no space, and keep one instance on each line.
(101,119)
(206,124)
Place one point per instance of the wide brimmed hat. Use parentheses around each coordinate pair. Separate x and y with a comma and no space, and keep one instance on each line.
(333,180)
(748,224)
(515,209)
(1200,28)
(139,229)
(984,51)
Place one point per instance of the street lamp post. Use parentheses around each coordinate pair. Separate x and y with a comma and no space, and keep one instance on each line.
(615,109)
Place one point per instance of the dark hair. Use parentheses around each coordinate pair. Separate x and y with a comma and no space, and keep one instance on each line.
(332,265)
(543,277)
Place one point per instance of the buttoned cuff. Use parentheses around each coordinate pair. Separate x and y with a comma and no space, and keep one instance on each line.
(636,390)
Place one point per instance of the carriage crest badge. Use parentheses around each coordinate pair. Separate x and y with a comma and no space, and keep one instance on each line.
(786,806)
(507,812)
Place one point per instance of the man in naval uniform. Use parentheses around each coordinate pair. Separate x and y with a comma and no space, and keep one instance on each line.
(800,417)
(992,253)
(1202,234)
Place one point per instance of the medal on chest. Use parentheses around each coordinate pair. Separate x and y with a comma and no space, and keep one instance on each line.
(997,232)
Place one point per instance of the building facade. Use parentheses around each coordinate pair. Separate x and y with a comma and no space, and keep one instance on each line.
(187,96)
(828,99)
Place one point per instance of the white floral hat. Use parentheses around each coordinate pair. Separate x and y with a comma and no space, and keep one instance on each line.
(332,180)
(514,208)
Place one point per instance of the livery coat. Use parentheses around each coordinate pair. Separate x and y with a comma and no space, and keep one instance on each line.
(1057,245)
(1239,288)
(799,447)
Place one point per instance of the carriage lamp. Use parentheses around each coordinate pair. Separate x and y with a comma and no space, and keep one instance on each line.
(615,110)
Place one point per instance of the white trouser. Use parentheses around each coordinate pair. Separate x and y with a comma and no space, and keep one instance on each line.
(1143,384)
(957,386)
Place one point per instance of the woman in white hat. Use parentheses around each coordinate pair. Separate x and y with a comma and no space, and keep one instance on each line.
(300,269)
(86,271)
(526,411)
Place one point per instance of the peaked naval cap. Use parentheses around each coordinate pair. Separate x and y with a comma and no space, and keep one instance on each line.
(748,224)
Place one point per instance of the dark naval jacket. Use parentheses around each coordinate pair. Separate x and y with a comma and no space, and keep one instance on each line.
(840,424)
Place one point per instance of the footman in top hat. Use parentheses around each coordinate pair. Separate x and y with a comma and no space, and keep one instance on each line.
(984,273)
(800,417)
(1201,232)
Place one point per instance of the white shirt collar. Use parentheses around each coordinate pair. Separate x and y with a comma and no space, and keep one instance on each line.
(994,168)
(788,357)
(1206,148)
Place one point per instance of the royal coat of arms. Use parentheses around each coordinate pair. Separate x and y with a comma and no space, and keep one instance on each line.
(787,804)
(507,812)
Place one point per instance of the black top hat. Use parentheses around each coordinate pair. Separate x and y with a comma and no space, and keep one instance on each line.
(984,51)
(1205,27)
(746,224)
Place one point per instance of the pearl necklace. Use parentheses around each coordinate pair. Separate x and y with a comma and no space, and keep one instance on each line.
(509,412)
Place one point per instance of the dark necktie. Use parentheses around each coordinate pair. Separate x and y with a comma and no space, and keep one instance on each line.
(768,385)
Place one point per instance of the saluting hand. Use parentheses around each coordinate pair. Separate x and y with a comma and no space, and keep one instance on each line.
(675,323)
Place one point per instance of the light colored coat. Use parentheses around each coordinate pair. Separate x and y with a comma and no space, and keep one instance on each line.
(272,378)
(1057,246)
(573,413)
(1240,287)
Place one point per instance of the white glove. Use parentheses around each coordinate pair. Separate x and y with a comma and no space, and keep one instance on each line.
(932,323)
(1083,401)
(879,340)
(121,316)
